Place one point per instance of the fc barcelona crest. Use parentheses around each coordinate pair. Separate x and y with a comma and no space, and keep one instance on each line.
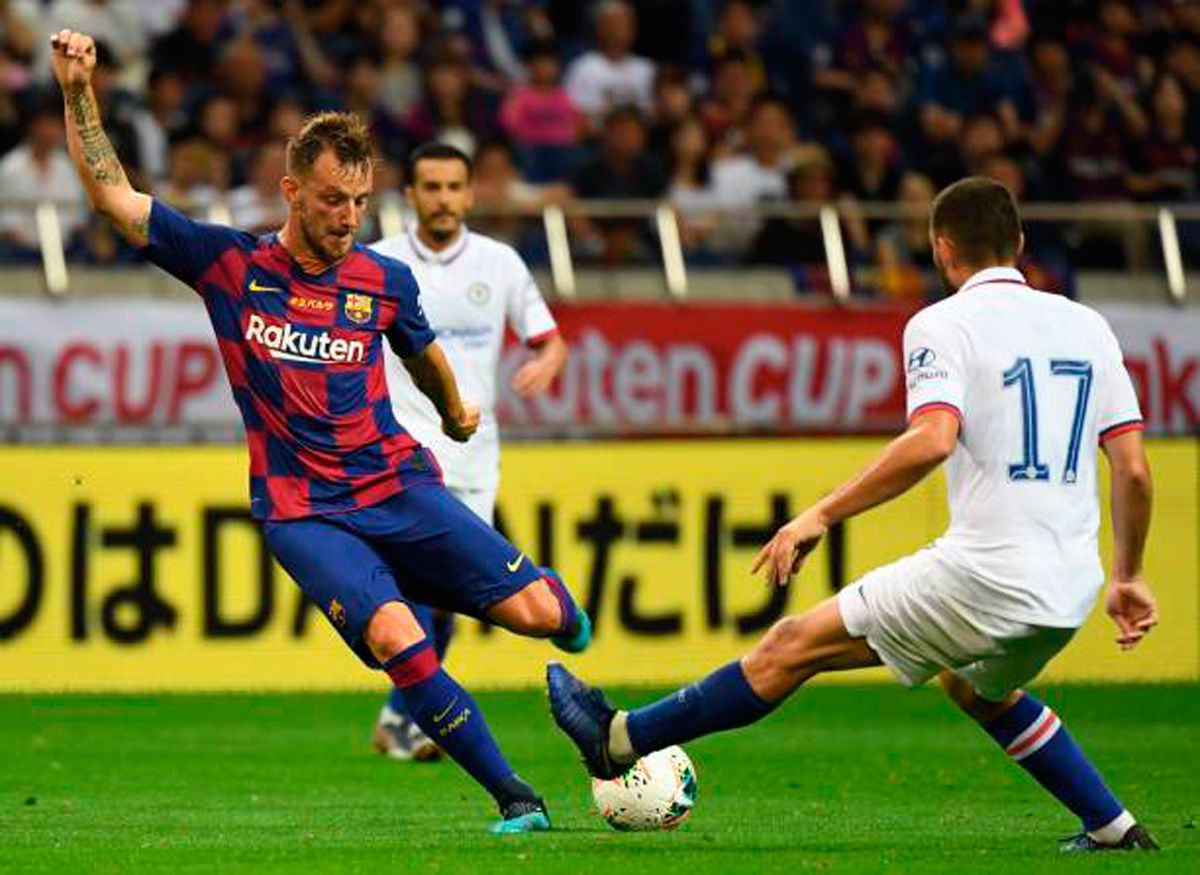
(359,308)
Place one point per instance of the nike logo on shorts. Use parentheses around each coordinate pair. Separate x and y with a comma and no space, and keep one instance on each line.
(516,563)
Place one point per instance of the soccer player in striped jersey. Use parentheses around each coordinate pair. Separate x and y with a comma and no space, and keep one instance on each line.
(472,288)
(350,503)
(1015,389)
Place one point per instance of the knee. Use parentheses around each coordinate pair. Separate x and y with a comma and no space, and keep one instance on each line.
(784,649)
(392,630)
(970,702)
(534,611)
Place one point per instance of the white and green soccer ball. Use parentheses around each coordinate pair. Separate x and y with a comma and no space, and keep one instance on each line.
(655,793)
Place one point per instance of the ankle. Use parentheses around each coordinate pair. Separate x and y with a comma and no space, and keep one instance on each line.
(620,747)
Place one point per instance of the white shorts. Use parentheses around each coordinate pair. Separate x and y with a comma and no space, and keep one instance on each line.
(482,502)
(916,615)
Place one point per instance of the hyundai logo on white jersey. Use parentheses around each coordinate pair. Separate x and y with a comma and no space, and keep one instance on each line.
(285,342)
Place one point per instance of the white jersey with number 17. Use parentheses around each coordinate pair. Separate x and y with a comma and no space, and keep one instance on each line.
(1037,382)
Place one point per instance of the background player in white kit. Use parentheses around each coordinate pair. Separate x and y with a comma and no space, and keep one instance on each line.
(471,287)
(1015,388)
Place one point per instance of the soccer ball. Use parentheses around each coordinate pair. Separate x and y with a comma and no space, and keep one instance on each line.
(656,793)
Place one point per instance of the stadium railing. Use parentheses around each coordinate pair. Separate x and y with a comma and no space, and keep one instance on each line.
(665,250)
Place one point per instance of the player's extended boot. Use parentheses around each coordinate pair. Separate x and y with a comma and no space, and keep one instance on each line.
(584,715)
(522,811)
(1136,838)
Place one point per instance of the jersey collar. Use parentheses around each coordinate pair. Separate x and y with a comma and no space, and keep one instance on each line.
(447,255)
(1007,276)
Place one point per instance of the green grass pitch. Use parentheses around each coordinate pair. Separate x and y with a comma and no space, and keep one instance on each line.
(842,779)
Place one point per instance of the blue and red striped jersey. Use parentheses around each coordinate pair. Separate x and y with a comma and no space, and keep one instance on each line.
(304,357)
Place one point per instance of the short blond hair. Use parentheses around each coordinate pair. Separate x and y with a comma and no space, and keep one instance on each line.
(343,133)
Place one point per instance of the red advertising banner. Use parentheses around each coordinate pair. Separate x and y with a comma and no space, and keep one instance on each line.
(635,368)
(654,368)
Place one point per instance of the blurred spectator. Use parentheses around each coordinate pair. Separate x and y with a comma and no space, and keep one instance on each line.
(672,105)
(117,23)
(286,119)
(1164,162)
(258,206)
(540,118)
(797,243)
(761,171)
(219,126)
(902,250)
(970,83)
(982,140)
(498,189)
(1183,62)
(363,95)
(1010,25)
(1052,84)
(1103,121)
(729,101)
(290,55)
(402,82)
(16,54)
(161,116)
(690,174)
(738,31)
(497,31)
(191,48)
(1109,41)
(197,174)
(610,75)
(872,170)
(620,169)
(452,110)
(241,76)
(39,169)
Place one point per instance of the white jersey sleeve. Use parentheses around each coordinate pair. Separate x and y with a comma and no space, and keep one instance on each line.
(934,365)
(1117,404)
(525,307)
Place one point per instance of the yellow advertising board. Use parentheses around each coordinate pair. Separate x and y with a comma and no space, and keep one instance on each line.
(134,568)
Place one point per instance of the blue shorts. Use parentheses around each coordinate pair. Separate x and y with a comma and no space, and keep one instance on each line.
(422,547)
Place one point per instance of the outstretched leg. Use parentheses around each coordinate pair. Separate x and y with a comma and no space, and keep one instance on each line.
(396,734)
(737,694)
(447,713)
(1033,736)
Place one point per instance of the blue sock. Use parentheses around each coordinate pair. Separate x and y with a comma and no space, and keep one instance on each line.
(723,700)
(1032,735)
(447,714)
(439,625)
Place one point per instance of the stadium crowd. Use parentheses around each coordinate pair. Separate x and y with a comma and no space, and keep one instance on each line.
(712,104)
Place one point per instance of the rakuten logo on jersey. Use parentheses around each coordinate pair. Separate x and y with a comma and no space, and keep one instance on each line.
(285,342)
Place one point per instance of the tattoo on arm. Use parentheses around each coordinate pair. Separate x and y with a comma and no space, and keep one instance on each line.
(98,152)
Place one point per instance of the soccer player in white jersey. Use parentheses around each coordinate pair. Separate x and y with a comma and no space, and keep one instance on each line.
(1014,389)
(472,287)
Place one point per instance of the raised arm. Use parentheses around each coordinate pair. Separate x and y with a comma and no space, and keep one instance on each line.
(73,56)
(929,440)
(1130,602)
(431,373)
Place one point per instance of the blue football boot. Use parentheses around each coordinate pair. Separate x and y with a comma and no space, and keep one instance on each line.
(584,715)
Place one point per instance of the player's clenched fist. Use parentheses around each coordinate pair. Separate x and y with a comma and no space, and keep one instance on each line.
(464,426)
(74,57)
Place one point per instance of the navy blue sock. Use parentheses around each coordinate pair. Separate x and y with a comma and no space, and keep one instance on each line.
(448,715)
(723,700)
(1033,736)
(439,625)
